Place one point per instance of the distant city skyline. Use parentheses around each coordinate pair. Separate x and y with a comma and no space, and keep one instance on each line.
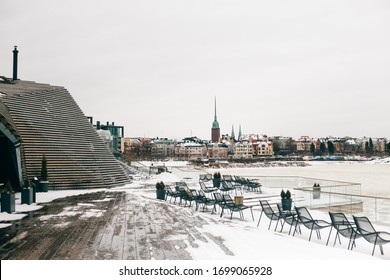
(289,68)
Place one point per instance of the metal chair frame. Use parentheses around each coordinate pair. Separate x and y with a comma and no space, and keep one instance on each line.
(307,220)
(202,199)
(367,230)
(343,227)
(229,204)
(289,217)
(205,188)
(270,213)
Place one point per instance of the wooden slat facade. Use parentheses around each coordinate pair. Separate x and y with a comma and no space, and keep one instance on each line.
(47,120)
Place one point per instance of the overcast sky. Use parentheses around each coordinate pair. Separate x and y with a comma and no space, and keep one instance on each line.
(289,68)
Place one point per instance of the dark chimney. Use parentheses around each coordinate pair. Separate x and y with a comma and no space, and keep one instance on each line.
(15,74)
(98,125)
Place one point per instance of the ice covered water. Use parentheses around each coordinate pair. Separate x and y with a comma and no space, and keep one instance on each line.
(372,178)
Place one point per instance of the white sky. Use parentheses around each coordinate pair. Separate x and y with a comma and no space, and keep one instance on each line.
(289,68)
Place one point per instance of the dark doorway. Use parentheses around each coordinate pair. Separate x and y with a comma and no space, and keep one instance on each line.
(8,162)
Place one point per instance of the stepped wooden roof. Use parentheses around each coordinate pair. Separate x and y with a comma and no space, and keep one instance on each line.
(47,120)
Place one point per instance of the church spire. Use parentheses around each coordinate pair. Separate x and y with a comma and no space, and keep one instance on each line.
(215,131)
(215,122)
(232,136)
(215,108)
(239,133)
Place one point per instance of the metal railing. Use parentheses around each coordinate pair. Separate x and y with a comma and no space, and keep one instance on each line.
(142,168)
(335,196)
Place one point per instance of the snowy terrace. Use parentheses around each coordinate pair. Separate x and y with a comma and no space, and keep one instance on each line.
(185,231)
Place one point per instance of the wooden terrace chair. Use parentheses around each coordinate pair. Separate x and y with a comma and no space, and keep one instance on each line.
(367,230)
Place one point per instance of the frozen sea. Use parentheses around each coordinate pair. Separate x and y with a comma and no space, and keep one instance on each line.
(374,176)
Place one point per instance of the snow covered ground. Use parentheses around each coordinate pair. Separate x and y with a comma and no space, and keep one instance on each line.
(242,239)
(239,242)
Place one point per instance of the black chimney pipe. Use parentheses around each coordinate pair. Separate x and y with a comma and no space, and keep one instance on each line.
(15,74)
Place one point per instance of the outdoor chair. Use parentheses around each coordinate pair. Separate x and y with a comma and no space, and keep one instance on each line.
(182,184)
(233,207)
(190,196)
(185,194)
(367,230)
(235,180)
(206,188)
(289,217)
(230,179)
(205,177)
(307,220)
(202,199)
(238,180)
(253,185)
(218,200)
(227,178)
(181,193)
(248,184)
(227,186)
(343,227)
(269,212)
(171,193)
